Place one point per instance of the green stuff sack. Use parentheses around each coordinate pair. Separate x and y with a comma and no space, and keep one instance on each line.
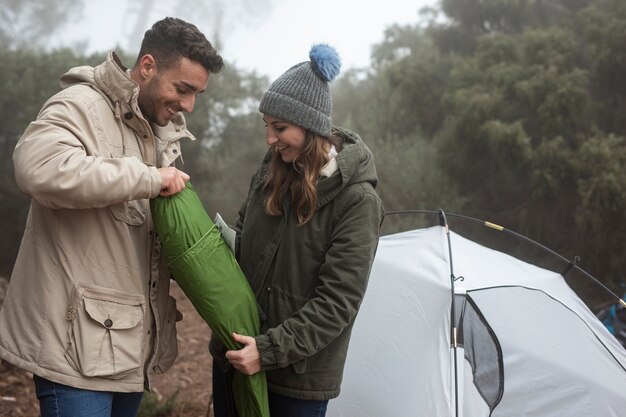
(204,267)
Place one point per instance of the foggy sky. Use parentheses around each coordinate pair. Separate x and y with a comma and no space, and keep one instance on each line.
(272,43)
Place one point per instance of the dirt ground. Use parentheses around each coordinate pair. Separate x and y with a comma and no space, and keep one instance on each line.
(190,375)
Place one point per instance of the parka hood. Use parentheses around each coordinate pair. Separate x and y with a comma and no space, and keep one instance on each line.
(355,164)
(111,77)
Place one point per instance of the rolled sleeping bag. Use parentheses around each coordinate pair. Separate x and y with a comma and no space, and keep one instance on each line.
(205,268)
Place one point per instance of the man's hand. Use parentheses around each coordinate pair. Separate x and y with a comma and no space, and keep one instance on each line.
(172,181)
(246,360)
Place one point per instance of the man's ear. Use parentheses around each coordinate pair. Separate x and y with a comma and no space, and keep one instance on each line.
(147,67)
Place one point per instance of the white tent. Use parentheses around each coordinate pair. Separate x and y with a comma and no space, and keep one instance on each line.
(526,344)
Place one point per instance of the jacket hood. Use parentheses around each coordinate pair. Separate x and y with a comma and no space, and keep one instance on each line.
(355,164)
(111,78)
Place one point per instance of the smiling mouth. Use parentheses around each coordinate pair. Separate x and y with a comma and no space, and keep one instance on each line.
(171,110)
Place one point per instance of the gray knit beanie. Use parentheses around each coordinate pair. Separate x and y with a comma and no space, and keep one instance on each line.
(302,94)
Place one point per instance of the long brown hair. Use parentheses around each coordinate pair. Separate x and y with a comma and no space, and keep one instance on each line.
(298,178)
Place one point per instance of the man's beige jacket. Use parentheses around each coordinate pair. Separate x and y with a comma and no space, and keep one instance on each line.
(88,303)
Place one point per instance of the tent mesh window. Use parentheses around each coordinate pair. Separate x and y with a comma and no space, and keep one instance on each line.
(482,350)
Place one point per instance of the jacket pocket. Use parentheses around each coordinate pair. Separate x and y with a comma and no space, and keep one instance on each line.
(168,342)
(106,332)
(133,212)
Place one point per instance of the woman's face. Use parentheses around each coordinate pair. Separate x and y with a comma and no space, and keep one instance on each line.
(285,137)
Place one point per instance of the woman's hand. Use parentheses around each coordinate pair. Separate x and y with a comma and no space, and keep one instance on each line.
(247,359)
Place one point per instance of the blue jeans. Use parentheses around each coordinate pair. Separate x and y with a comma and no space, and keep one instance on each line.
(58,400)
(280,406)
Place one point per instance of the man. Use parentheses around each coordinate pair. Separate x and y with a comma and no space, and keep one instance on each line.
(88,309)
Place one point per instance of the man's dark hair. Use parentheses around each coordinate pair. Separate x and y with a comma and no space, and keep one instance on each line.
(171,39)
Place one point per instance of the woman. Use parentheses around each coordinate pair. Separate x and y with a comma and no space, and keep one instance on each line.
(306,238)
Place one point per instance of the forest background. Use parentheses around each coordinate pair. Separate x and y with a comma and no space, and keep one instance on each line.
(511,111)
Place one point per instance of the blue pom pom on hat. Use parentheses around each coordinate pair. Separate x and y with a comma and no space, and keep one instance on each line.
(325,61)
(302,94)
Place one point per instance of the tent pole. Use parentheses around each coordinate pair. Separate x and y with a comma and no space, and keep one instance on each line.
(453,329)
